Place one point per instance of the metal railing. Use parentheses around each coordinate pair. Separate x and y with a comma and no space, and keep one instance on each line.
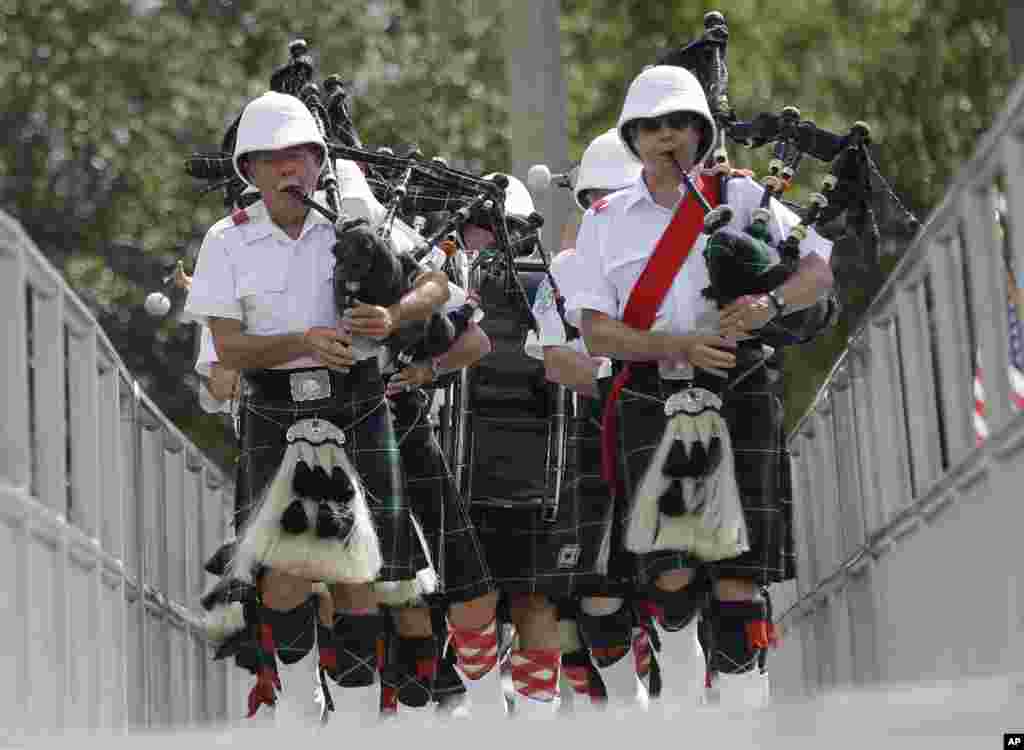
(907,526)
(106,513)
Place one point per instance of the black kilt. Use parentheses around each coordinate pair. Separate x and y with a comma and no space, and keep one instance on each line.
(511,408)
(526,552)
(358,406)
(431,493)
(752,409)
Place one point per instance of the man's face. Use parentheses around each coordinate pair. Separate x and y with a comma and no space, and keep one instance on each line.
(662,142)
(273,172)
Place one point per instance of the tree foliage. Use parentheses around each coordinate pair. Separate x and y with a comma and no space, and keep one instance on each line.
(104,98)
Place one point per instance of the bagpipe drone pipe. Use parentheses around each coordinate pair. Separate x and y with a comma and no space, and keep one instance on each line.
(846,210)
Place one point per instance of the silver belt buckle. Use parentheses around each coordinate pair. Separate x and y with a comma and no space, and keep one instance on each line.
(692,401)
(310,386)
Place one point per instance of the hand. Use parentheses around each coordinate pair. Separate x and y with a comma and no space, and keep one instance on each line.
(476,238)
(413,376)
(709,351)
(331,346)
(748,313)
(223,383)
(372,321)
(181,279)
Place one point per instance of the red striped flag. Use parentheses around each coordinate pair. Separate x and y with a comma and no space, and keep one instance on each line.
(1016,374)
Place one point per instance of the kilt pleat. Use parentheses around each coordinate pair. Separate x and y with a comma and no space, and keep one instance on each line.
(456,551)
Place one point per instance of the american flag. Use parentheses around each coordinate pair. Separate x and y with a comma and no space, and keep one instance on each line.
(1016,372)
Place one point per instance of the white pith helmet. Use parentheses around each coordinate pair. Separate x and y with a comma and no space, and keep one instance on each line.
(518,201)
(518,208)
(275,121)
(606,165)
(662,89)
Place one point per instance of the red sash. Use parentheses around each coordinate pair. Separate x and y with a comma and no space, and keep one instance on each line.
(669,255)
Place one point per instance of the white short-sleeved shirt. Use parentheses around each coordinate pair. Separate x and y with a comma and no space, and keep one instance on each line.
(549,322)
(250,270)
(618,236)
(204,361)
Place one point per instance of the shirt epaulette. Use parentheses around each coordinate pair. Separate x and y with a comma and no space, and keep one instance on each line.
(239,216)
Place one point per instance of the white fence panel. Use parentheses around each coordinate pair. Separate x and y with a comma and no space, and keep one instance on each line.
(106,513)
(907,524)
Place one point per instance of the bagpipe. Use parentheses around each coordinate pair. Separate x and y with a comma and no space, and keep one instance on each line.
(376,264)
(688,497)
(845,209)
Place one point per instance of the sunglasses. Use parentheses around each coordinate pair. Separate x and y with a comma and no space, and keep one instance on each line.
(587,197)
(291,152)
(671,120)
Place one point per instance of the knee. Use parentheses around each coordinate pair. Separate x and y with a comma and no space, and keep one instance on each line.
(282,591)
(679,599)
(529,604)
(674,580)
(354,596)
(474,614)
(735,590)
(413,622)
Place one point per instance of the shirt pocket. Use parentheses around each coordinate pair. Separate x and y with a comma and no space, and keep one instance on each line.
(262,291)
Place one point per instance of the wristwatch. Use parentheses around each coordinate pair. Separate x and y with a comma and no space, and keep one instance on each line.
(778,301)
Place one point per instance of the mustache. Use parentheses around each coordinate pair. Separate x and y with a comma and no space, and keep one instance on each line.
(292,187)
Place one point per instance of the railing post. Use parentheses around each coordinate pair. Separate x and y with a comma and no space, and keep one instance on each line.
(84,424)
(49,393)
(916,358)
(1013,169)
(829,531)
(847,458)
(888,412)
(15,468)
(988,300)
(955,358)
(867,449)
(139,688)
(803,518)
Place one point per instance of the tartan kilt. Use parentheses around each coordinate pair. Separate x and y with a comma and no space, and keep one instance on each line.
(357,405)
(529,554)
(753,411)
(583,477)
(430,491)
